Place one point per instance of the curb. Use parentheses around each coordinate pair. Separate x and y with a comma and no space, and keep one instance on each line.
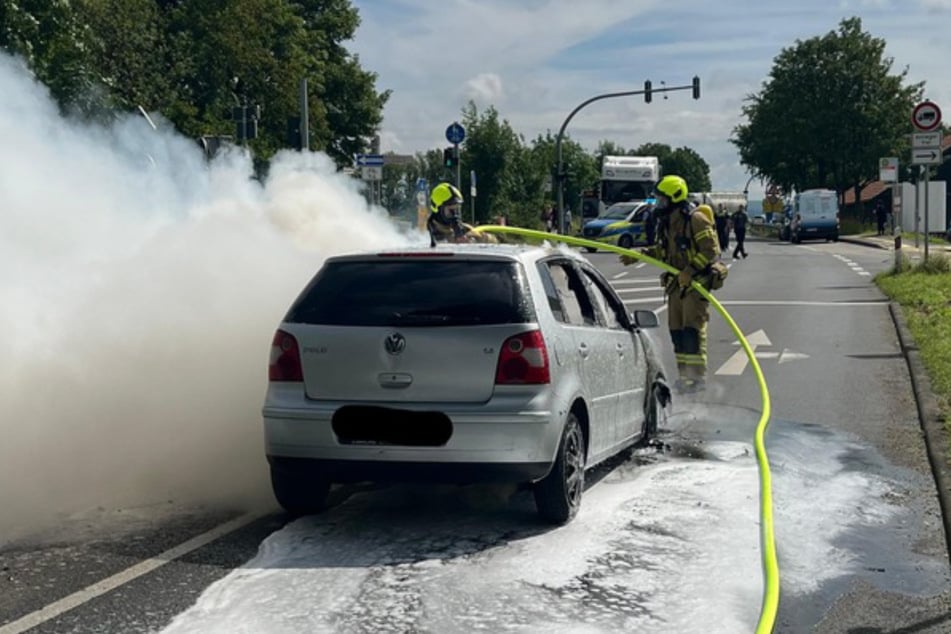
(929,416)
(864,243)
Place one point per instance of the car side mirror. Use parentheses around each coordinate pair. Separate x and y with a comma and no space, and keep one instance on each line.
(644,319)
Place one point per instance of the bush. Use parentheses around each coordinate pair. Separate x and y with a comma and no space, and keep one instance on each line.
(934,265)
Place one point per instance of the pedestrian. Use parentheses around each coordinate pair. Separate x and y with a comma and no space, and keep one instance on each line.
(723,231)
(881,216)
(740,219)
(567,220)
(686,241)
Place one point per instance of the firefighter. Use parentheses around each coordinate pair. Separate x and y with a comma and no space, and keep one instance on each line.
(687,241)
(444,224)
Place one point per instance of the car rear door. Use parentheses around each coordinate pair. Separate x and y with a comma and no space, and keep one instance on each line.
(595,359)
(630,362)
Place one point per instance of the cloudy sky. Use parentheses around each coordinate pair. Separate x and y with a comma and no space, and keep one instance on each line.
(535,60)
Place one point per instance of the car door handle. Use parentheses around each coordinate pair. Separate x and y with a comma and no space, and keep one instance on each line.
(583,350)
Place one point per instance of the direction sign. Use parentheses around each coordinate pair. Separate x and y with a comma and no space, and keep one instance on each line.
(455,133)
(366,160)
(926,140)
(371,172)
(926,116)
(926,156)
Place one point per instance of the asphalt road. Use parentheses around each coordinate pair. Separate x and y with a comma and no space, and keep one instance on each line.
(839,388)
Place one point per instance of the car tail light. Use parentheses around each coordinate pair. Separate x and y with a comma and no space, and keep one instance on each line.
(523,360)
(285,358)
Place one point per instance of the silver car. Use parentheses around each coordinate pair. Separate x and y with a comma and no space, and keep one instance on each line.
(460,363)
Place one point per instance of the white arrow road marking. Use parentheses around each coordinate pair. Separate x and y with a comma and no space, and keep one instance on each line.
(789,355)
(735,365)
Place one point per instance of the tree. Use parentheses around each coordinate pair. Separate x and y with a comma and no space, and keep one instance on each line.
(494,151)
(684,162)
(829,110)
(50,37)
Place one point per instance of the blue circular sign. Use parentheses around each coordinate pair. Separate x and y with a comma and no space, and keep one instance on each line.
(455,133)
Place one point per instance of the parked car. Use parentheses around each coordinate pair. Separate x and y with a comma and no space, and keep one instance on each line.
(623,224)
(460,364)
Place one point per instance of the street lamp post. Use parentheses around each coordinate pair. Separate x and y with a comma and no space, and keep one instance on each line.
(560,175)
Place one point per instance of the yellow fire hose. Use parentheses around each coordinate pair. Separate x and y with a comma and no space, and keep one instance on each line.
(770,604)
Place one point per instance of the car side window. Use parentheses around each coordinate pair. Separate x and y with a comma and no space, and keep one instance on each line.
(578,309)
(551,292)
(609,305)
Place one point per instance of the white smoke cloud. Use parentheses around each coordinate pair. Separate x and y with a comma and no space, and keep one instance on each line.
(139,290)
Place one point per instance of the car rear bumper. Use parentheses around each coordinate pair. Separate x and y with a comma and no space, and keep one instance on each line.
(498,445)
(339,471)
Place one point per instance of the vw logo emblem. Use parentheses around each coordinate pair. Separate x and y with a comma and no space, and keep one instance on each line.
(395,343)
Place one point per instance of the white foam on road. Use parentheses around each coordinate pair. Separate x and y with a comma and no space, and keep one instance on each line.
(671,546)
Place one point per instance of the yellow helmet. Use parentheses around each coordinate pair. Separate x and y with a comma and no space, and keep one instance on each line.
(444,194)
(673,187)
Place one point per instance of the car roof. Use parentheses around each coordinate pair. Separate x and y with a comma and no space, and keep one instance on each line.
(521,252)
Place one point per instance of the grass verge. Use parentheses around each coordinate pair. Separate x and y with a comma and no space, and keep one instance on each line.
(924,292)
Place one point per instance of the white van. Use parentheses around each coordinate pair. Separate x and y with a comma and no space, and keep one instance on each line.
(815,216)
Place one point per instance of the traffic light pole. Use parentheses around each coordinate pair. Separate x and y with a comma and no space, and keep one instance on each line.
(647,92)
(455,153)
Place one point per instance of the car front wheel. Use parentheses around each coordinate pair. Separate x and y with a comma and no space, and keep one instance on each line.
(558,495)
(625,241)
(299,494)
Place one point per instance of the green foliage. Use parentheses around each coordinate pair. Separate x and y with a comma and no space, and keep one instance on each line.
(195,61)
(923,293)
(829,110)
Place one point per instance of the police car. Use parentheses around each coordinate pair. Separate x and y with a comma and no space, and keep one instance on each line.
(623,224)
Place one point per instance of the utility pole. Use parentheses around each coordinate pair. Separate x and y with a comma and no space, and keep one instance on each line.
(304,117)
(647,92)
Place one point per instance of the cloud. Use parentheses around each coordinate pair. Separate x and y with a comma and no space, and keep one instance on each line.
(485,88)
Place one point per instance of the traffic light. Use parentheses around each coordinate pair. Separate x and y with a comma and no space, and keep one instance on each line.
(696,87)
(647,91)
(450,157)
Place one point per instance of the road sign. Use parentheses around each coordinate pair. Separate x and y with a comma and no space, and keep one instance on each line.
(455,133)
(888,169)
(926,140)
(926,156)
(371,172)
(926,116)
(368,160)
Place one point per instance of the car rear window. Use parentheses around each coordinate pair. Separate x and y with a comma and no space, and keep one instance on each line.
(415,293)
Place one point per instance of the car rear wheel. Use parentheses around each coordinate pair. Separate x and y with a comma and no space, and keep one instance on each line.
(625,241)
(558,495)
(299,494)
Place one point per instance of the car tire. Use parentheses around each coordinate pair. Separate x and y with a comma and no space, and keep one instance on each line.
(625,241)
(590,249)
(558,495)
(652,411)
(299,494)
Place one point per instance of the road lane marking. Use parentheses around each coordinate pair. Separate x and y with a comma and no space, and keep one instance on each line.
(622,291)
(108,584)
(619,275)
(638,280)
(766,302)
(643,300)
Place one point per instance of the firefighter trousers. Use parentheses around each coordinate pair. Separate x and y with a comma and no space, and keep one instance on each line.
(687,317)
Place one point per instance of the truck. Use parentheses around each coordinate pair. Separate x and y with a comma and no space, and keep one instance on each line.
(623,179)
(730,200)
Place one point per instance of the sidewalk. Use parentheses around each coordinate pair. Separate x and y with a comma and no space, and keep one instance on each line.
(888,243)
